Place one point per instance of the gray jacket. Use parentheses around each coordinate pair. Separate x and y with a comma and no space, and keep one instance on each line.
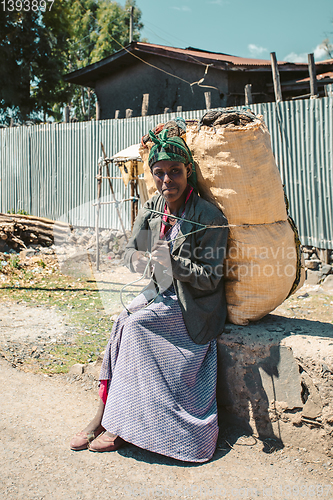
(196,259)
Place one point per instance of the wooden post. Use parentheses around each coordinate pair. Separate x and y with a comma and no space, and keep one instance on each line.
(313,77)
(98,110)
(167,110)
(329,90)
(276,78)
(145,105)
(248,94)
(208,100)
(129,113)
(116,114)
(131,25)
(179,109)
(66,114)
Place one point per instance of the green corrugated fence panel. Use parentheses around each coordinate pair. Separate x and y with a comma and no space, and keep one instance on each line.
(49,170)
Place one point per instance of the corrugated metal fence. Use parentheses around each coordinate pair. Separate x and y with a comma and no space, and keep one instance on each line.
(49,170)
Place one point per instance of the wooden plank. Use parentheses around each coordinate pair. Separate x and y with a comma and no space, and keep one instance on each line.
(276,78)
(313,77)
(248,94)
(208,100)
(145,105)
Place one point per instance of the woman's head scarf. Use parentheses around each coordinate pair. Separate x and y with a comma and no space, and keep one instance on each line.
(174,149)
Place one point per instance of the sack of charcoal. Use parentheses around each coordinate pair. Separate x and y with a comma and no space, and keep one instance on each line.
(237,172)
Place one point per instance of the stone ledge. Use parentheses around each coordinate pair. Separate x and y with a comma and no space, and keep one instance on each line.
(275,379)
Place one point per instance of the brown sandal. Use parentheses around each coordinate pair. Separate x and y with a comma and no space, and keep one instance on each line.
(106,443)
(81,440)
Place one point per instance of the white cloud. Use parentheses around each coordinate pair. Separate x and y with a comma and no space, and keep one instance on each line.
(319,55)
(296,58)
(219,2)
(255,50)
(184,8)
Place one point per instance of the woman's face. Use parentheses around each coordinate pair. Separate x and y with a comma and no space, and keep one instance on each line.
(171,179)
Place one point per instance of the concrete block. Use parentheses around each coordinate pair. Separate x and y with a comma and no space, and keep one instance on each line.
(275,379)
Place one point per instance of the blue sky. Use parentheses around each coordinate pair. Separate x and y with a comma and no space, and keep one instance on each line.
(245,28)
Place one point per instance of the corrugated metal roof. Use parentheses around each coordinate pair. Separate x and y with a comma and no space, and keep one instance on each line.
(93,72)
(200,54)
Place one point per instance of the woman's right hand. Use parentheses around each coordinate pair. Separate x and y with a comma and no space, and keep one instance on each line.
(139,261)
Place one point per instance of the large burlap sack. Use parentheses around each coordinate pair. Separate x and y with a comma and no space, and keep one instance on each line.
(236,171)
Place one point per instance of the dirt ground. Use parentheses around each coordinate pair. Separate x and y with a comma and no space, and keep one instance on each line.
(40,412)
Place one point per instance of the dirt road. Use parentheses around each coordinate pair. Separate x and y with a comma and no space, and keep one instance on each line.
(39,414)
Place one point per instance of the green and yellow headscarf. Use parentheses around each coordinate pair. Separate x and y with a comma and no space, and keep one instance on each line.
(174,149)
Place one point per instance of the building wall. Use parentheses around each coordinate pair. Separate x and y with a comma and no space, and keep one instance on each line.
(125,88)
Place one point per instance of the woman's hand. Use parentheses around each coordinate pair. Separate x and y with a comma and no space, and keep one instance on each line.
(139,262)
(161,253)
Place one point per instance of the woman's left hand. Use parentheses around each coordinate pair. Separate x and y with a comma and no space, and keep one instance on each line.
(161,253)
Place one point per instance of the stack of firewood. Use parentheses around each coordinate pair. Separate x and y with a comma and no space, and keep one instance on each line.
(19,231)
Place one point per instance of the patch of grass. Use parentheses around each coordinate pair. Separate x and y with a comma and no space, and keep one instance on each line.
(78,299)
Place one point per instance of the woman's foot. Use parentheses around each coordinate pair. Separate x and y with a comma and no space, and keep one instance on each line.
(82,439)
(106,442)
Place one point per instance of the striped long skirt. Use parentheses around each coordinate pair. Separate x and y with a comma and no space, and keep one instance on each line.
(162,385)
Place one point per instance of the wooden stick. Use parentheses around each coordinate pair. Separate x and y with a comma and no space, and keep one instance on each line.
(313,77)
(116,114)
(129,113)
(276,78)
(179,109)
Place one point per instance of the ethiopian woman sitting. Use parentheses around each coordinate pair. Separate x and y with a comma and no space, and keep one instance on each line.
(158,377)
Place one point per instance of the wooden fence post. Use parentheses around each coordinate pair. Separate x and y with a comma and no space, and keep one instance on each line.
(329,90)
(179,109)
(66,114)
(208,100)
(167,110)
(276,78)
(313,77)
(248,94)
(145,105)
(98,110)
(116,114)
(129,113)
